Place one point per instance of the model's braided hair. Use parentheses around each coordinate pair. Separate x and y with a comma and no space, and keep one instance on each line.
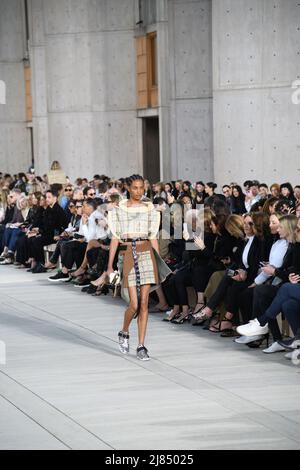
(133,178)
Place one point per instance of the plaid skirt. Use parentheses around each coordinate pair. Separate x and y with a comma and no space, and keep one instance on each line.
(146,264)
(153,270)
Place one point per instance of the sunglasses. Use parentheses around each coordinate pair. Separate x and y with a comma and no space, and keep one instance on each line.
(78,207)
(68,189)
(92,194)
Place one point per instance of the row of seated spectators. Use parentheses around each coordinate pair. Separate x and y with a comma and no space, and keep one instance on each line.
(238,266)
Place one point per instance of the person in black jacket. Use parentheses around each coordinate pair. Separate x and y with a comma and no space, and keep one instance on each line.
(238,200)
(32,223)
(54,222)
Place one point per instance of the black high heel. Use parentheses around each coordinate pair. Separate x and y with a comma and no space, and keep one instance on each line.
(258,342)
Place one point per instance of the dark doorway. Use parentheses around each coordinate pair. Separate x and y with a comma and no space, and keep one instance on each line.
(151,160)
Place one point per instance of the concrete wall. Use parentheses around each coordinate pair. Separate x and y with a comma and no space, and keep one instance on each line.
(14,137)
(225,73)
(190,89)
(83,56)
(256,57)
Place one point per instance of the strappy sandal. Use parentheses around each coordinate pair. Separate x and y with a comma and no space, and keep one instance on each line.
(172,317)
(228,331)
(182,318)
(201,317)
(101,290)
(215,325)
(199,309)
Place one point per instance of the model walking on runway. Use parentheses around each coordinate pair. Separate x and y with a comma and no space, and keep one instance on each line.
(134,226)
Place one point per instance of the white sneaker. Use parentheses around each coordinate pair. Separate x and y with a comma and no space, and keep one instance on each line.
(252,328)
(247,339)
(289,355)
(275,347)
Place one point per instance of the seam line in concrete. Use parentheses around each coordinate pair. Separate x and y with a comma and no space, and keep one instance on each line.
(32,419)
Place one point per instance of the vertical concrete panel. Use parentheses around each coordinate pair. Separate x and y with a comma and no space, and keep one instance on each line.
(255,61)
(79,16)
(14,142)
(87,69)
(238,43)
(122,143)
(194,147)
(36,23)
(39,81)
(281,35)
(68,73)
(120,64)
(192,31)
(11,30)
(14,151)
(191,89)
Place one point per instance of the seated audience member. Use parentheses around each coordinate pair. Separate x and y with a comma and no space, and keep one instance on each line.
(54,222)
(287,193)
(31,226)
(275,190)
(12,198)
(235,227)
(263,191)
(74,251)
(238,201)
(210,188)
(269,206)
(13,231)
(75,208)
(236,280)
(200,194)
(89,193)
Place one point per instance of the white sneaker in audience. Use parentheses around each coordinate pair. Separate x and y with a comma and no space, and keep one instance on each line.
(253,328)
(289,355)
(275,347)
(247,339)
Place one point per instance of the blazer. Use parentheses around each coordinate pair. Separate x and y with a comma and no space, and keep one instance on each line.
(253,259)
(54,220)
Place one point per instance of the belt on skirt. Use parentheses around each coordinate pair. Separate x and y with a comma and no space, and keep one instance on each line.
(132,241)
(136,266)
